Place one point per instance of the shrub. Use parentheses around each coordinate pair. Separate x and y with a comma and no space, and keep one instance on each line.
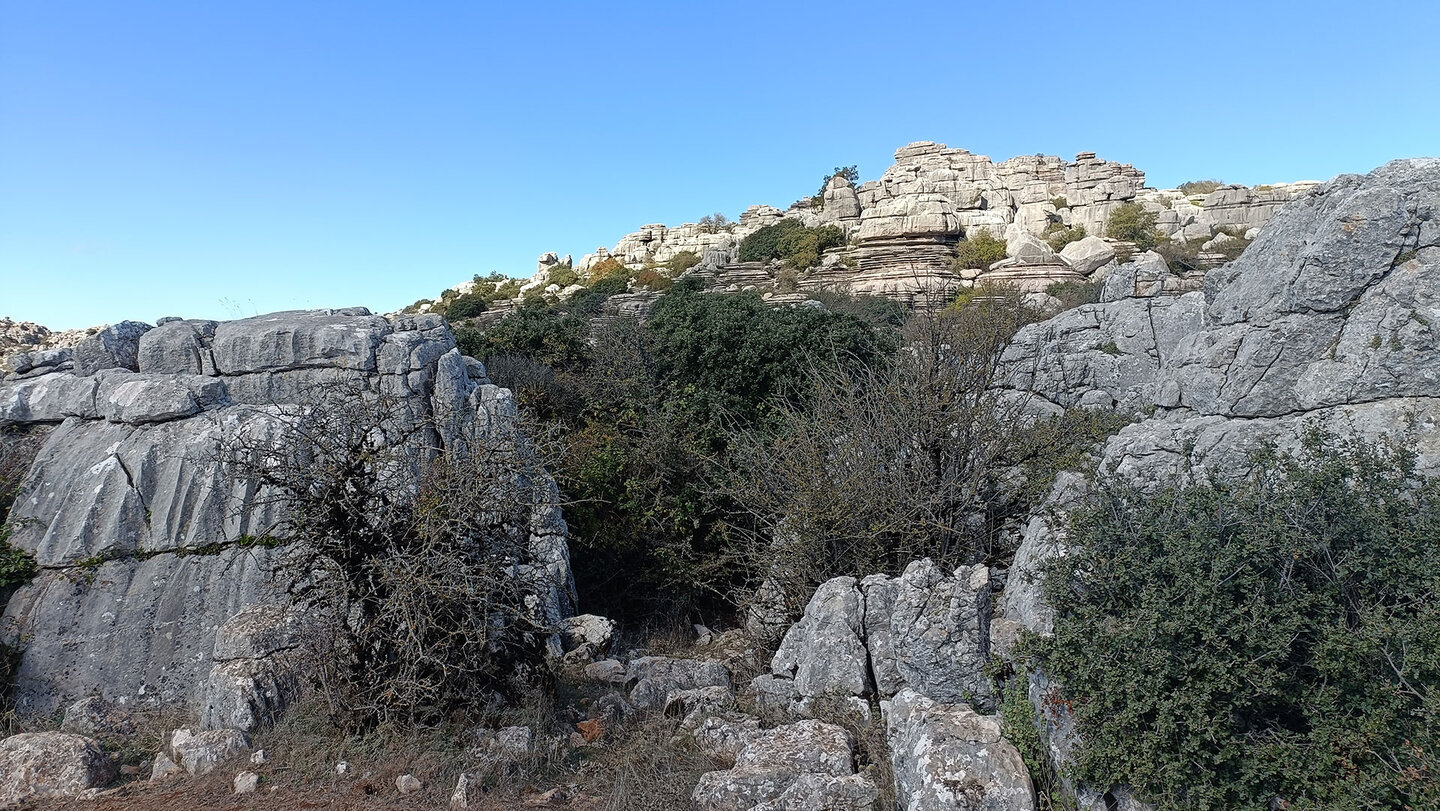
(877,311)
(653,280)
(468,305)
(1131,222)
(1072,294)
(413,564)
(1263,642)
(878,466)
(1058,235)
(979,250)
(609,268)
(535,330)
(1194,187)
(564,275)
(791,242)
(681,262)
(1059,203)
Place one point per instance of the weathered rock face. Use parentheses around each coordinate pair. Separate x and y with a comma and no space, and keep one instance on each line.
(36,765)
(950,757)
(1325,322)
(805,765)
(927,630)
(144,538)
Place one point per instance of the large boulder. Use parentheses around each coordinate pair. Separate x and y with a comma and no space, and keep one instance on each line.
(114,347)
(927,629)
(653,679)
(805,765)
(35,765)
(948,757)
(1088,254)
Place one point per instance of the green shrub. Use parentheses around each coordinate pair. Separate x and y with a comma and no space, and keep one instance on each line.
(564,275)
(609,268)
(1200,186)
(468,305)
(1131,222)
(1059,203)
(877,311)
(1075,293)
(534,330)
(1261,643)
(791,242)
(681,262)
(979,250)
(1058,235)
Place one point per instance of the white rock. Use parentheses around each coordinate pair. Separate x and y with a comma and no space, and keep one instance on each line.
(246,782)
(408,784)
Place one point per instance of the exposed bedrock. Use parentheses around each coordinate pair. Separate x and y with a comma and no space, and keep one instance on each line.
(147,541)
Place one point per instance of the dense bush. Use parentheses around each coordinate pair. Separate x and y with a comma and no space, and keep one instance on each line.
(1271,642)
(877,311)
(609,268)
(1075,293)
(533,330)
(1131,222)
(652,279)
(879,466)
(464,306)
(681,262)
(1058,235)
(564,275)
(791,242)
(979,250)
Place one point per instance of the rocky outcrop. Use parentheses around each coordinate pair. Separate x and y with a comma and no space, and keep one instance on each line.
(903,226)
(1325,322)
(146,541)
(36,765)
(927,630)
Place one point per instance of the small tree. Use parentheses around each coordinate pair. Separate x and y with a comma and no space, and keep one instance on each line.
(715,223)
(979,250)
(850,173)
(1131,222)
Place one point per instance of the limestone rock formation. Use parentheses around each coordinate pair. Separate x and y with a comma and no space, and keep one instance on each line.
(950,757)
(927,630)
(805,765)
(35,765)
(144,538)
(1325,322)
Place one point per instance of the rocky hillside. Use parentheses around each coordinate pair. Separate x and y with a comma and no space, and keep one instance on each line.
(925,686)
(900,231)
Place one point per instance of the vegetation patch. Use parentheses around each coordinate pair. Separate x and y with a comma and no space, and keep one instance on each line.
(1267,642)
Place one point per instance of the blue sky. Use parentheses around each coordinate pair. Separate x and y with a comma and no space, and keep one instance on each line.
(217,159)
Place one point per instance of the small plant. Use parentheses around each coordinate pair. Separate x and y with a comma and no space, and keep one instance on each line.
(850,173)
(979,251)
(1059,203)
(1072,294)
(1131,222)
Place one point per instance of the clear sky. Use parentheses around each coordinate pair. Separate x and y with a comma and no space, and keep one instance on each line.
(217,159)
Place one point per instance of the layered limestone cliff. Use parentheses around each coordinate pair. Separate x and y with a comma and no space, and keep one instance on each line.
(903,226)
(149,571)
